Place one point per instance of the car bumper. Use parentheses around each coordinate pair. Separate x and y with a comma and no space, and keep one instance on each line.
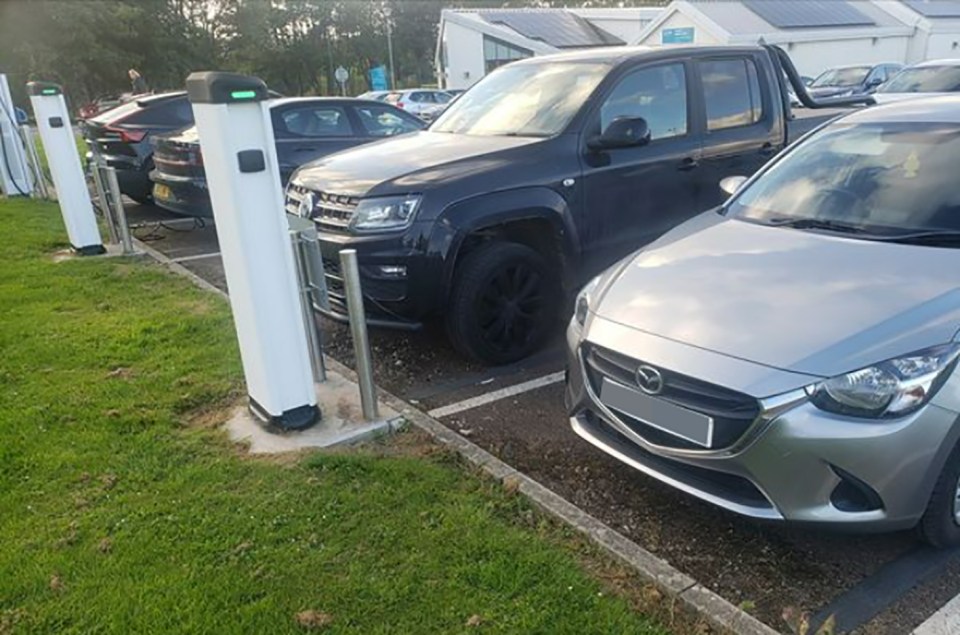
(392,300)
(796,463)
(188,197)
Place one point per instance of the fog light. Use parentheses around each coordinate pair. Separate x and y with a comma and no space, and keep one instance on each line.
(392,271)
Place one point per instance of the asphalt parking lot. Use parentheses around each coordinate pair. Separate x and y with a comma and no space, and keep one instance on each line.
(873,584)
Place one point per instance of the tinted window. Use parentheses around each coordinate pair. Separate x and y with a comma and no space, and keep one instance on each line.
(880,177)
(385,121)
(879,74)
(314,121)
(732,93)
(841,76)
(174,113)
(420,97)
(925,79)
(657,94)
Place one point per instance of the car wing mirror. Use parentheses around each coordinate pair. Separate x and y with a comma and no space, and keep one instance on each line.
(731,184)
(622,132)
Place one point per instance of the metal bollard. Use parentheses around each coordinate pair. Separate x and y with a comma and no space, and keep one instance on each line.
(105,205)
(314,342)
(34,160)
(121,214)
(358,328)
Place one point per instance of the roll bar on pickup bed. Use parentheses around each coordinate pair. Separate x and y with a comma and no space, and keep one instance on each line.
(780,58)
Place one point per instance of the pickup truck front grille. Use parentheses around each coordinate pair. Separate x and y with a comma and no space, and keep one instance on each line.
(330,211)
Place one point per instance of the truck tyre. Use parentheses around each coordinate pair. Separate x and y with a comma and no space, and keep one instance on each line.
(503,304)
(940,524)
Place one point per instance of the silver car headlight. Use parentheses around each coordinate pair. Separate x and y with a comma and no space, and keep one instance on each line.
(385,213)
(893,388)
(584,298)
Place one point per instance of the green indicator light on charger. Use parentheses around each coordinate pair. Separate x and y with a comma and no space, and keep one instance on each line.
(243,94)
(49,91)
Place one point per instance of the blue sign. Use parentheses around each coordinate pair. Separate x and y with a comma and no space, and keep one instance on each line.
(682,35)
(378,78)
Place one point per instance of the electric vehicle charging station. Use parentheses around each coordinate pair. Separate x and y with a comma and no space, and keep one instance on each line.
(53,122)
(15,176)
(240,160)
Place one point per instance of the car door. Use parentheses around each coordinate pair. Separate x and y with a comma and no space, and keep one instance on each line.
(742,131)
(309,130)
(633,195)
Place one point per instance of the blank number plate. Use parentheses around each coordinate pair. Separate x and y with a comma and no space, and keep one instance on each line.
(662,415)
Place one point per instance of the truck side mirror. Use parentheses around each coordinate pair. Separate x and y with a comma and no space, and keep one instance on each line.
(731,184)
(623,132)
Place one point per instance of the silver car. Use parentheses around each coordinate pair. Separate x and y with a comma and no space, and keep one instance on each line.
(792,355)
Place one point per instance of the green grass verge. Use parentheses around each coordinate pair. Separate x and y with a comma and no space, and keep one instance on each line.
(116,516)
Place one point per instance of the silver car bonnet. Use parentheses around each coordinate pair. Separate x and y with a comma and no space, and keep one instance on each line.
(796,300)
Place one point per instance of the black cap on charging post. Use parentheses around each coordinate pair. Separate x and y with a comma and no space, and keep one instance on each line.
(215,87)
(43,88)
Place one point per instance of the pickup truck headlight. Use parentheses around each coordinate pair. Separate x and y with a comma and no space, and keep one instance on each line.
(584,298)
(893,388)
(385,213)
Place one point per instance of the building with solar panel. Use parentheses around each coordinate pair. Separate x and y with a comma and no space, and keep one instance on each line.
(818,34)
(473,42)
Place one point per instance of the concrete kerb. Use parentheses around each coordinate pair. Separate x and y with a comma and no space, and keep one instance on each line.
(695,596)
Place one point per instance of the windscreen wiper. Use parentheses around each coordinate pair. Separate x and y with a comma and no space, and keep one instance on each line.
(944,237)
(816,223)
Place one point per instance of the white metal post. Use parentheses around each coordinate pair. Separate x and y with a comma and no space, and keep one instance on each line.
(15,176)
(53,122)
(240,160)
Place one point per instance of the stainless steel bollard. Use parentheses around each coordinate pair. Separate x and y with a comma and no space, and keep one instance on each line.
(105,205)
(121,214)
(306,301)
(358,328)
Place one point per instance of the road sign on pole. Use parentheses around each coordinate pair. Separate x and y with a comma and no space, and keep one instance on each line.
(342,76)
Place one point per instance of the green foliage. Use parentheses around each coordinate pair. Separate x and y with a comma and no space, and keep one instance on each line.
(116,517)
(294,45)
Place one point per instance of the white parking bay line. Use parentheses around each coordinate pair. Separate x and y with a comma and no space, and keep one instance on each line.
(946,621)
(197,257)
(496,395)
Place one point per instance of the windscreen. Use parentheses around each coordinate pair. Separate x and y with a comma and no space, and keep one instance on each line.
(881,178)
(841,77)
(536,100)
(924,79)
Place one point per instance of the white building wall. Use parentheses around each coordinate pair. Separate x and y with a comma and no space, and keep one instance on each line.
(626,24)
(678,20)
(812,58)
(943,45)
(464,47)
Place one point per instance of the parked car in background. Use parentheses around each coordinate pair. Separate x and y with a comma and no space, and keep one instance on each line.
(419,101)
(936,77)
(376,95)
(831,397)
(547,169)
(121,137)
(859,79)
(102,104)
(305,128)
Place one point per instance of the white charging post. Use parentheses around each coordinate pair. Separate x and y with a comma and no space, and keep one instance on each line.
(15,176)
(240,160)
(60,145)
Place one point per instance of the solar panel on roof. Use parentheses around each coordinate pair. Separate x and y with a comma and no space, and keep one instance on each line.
(785,14)
(556,28)
(938,9)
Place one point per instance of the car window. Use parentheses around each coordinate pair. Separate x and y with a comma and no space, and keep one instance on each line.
(879,74)
(731,91)
(848,76)
(925,79)
(881,177)
(315,121)
(442,98)
(420,97)
(386,121)
(657,94)
(174,112)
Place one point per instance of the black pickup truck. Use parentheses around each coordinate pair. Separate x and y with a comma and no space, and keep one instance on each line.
(546,171)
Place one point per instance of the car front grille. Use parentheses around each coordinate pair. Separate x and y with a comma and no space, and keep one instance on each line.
(330,211)
(733,412)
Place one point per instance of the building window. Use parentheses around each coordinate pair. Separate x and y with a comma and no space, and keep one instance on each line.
(496,53)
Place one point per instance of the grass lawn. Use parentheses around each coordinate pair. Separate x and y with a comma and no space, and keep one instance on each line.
(122,510)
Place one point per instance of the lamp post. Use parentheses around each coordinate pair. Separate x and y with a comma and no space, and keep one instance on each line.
(387,14)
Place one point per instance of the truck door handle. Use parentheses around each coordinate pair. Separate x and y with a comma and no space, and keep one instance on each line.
(767,149)
(687,164)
